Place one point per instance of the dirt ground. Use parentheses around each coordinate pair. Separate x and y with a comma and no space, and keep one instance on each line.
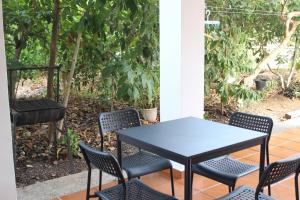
(275,107)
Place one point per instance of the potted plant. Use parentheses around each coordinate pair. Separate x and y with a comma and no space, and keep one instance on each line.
(149,97)
(149,109)
(141,89)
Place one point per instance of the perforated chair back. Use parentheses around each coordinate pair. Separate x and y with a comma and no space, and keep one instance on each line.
(104,161)
(278,171)
(252,122)
(120,119)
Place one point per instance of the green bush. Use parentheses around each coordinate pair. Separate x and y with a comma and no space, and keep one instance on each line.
(293,91)
(227,58)
(73,138)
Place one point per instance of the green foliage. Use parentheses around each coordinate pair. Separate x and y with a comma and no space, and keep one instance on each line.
(119,50)
(119,55)
(293,91)
(239,92)
(273,86)
(206,116)
(239,44)
(227,58)
(73,138)
(127,52)
(24,21)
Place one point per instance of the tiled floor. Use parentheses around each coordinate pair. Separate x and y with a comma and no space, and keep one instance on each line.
(281,146)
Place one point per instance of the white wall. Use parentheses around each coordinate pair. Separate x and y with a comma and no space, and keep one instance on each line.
(170,59)
(7,173)
(181,59)
(192,58)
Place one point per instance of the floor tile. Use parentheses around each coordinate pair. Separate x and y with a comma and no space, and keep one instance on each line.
(243,153)
(201,183)
(275,141)
(286,136)
(292,145)
(217,191)
(202,196)
(282,152)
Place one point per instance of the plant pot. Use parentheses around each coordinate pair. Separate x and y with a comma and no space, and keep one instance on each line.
(149,114)
(260,84)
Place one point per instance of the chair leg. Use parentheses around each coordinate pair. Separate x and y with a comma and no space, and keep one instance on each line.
(268,162)
(297,186)
(100,172)
(88,184)
(267,155)
(229,189)
(233,187)
(100,180)
(172,181)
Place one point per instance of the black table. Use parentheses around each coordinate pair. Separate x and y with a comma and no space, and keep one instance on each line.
(192,140)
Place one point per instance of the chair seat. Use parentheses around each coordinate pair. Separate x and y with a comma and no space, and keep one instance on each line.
(223,169)
(27,112)
(135,190)
(143,163)
(245,193)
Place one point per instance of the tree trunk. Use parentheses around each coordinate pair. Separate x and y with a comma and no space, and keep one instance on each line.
(52,60)
(71,74)
(14,78)
(64,78)
(293,68)
(53,48)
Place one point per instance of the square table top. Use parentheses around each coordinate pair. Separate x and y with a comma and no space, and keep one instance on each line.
(188,137)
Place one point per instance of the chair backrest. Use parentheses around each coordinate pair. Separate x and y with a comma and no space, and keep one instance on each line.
(120,119)
(278,171)
(252,122)
(104,161)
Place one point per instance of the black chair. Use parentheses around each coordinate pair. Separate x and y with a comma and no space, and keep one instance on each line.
(131,190)
(274,173)
(137,164)
(226,169)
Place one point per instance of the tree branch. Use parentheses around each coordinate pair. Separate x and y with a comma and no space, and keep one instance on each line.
(283,13)
(279,75)
(291,25)
(293,68)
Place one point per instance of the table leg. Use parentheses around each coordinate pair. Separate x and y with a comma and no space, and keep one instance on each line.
(188,180)
(262,158)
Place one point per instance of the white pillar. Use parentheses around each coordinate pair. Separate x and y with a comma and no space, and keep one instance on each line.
(7,172)
(181,60)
